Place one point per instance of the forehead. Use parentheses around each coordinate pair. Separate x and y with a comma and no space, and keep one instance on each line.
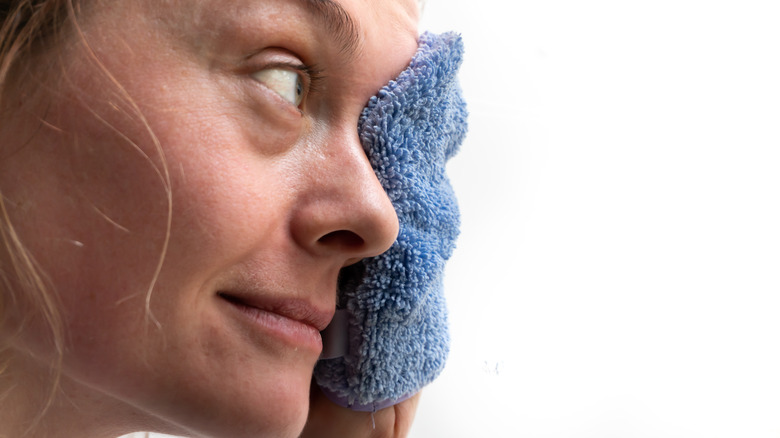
(196,44)
(374,36)
(346,22)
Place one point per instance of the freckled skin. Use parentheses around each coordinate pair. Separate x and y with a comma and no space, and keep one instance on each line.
(255,184)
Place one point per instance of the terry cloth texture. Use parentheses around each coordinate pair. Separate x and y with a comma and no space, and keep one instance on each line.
(398,337)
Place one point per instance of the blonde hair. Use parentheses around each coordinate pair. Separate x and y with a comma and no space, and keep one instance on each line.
(28,28)
(24,287)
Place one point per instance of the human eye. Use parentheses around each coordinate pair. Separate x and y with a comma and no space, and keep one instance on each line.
(288,82)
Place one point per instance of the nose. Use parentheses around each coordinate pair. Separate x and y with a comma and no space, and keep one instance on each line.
(343,211)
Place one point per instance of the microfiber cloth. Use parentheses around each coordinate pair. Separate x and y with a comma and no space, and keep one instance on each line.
(394,319)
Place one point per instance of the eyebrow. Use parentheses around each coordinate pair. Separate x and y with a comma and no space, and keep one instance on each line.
(339,23)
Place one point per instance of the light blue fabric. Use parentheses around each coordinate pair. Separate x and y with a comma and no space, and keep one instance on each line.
(398,337)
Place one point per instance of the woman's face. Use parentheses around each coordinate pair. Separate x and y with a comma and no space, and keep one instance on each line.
(254,105)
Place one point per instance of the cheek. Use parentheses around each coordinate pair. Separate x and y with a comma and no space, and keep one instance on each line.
(116,204)
(90,208)
(229,170)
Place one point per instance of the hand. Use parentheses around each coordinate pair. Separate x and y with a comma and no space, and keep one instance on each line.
(329,420)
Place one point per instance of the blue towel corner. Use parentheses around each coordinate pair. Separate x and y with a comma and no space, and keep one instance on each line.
(398,337)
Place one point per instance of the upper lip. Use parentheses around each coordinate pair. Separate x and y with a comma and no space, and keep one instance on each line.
(296,309)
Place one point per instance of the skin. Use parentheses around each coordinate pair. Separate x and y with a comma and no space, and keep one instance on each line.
(266,198)
(327,420)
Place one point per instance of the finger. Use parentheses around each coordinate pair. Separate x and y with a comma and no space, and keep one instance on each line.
(329,420)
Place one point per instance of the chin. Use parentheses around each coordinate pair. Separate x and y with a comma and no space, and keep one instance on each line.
(245,407)
(284,420)
(282,411)
(291,412)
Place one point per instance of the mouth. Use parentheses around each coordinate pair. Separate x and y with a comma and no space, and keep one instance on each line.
(294,322)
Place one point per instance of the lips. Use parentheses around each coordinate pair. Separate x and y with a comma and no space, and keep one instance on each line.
(294,321)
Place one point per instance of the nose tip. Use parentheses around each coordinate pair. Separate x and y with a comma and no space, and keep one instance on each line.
(345,211)
(361,237)
(354,225)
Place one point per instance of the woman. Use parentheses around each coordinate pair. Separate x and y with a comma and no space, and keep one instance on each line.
(181,183)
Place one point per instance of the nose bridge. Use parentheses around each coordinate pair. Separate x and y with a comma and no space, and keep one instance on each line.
(347,160)
(344,210)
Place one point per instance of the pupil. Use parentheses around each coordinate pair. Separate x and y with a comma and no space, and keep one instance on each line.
(299,88)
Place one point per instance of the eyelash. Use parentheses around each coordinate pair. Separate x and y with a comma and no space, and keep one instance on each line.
(314,77)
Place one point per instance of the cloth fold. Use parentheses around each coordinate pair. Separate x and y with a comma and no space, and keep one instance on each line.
(398,339)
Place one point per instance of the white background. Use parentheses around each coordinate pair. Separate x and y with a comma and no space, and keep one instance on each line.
(618,272)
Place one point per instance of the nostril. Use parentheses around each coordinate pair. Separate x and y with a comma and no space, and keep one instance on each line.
(343,239)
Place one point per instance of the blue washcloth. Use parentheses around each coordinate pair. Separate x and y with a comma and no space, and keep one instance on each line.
(397,319)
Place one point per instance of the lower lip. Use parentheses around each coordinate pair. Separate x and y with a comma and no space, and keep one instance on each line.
(292,332)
